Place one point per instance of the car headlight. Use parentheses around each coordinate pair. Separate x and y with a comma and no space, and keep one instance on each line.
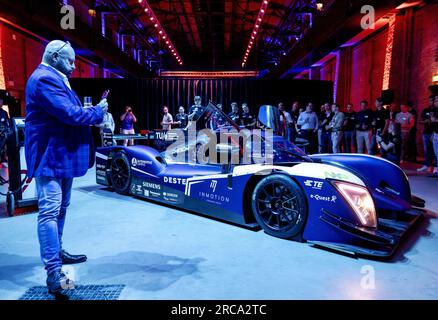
(360,200)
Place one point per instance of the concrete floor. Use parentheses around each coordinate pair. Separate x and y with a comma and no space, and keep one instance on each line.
(162,253)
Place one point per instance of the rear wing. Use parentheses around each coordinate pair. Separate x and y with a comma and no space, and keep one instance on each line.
(109,139)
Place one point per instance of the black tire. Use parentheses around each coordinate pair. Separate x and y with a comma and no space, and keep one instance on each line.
(10,203)
(120,173)
(279,206)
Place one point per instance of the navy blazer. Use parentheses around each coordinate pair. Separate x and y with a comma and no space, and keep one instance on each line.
(57,128)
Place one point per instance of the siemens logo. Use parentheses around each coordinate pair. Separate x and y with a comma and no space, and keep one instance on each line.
(151,185)
(174,180)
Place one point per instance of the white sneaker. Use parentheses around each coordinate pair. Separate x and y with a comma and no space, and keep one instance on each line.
(423,168)
(4,164)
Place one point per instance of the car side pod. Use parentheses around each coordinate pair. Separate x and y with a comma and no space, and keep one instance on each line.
(374,242)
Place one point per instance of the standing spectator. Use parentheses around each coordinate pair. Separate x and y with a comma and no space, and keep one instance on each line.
(390,143)
(406,120)
(363,128)
(426,121)
(217,120)
(167,121)
(320,119)
(349,128)
(4,131)
(182,118)
(235,114)
(248,119)
(335,127)
(295,113)
(286,122)
(197,109)
(434,122)
(412,143)
(325,140)
(58,146)
(380,119)
(128,120)
(308,122)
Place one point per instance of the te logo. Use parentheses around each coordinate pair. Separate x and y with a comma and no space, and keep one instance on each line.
(314,184)
(68,20)
(367,21)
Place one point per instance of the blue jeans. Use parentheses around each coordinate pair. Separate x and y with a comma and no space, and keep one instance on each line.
(428,150)
(53,200)
(435,146)
(348,140)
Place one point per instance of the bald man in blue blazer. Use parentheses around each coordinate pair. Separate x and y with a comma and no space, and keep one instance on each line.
(58,146)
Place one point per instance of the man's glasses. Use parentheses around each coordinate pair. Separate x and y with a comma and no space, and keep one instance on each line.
(60,48)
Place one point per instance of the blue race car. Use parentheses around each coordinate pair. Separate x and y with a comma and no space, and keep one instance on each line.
(346,202)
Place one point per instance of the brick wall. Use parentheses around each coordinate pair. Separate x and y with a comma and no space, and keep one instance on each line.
(22,53)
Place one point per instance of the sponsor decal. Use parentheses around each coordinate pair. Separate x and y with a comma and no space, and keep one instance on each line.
(146,193)
(133,188)
(100,166)
(317,185)
(155,194)
(151,185)
(215,197)
(175,180)
(317,197)
(101,178)
(336,175)
(213,185)
(135,162)
(101,172)
(139,189)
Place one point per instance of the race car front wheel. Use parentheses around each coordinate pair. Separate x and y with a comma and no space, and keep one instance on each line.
(279,206)
(120,173)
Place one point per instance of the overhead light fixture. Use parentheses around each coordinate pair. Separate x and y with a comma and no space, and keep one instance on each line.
(435,78)
(257,24)
(319,6)
(160,29)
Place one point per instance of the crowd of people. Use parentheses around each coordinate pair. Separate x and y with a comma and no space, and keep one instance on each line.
(388,130)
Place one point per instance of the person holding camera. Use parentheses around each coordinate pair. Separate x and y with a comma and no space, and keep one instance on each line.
(59,147)
(128,120)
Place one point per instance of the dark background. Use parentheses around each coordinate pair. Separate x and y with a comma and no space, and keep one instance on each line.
(148,96)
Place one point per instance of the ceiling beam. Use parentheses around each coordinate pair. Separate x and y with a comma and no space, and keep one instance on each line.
(339,23)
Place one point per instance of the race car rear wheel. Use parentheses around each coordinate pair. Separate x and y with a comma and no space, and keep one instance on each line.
(279,206)
(120,173)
